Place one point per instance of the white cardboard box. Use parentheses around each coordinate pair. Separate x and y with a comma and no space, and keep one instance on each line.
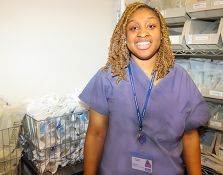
(201,34)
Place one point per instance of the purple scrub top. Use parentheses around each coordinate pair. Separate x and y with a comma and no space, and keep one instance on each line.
(175,106)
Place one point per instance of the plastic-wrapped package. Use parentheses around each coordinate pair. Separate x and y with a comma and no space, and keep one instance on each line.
(197,72)
(213,108)
(216,120)
(219,114)
(218,75)
(207,141)
(213,81)
(210,68)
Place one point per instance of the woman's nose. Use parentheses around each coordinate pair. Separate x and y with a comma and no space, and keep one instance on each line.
(143,33)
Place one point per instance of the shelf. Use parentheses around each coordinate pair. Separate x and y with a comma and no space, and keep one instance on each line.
(211,54)
(214,100)
(213,128)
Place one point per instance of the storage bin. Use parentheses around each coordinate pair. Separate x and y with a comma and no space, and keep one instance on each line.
(197,72)
(200,34)
(177,37)
(174,16)
(216,8)
(55,142)
(10,152)
(198,9)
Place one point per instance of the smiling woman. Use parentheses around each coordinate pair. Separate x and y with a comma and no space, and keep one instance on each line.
(144,38)
(144,108)
(119,52)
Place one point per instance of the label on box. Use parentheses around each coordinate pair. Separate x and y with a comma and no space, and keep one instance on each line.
(202,38)
(218,2)
(175,39)
(216,93)
(215,123)
(200,5)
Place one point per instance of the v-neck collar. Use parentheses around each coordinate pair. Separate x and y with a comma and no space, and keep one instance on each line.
(140,76)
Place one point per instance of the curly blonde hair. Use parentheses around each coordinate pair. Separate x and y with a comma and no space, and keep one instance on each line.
(118,56)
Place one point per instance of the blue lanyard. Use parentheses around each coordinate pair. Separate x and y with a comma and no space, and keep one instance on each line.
(140,115)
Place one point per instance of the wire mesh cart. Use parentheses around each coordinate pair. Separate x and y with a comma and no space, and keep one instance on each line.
(55,145)
(10,152)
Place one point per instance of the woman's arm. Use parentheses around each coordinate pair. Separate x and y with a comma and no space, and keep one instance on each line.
(94,142)
(191,152)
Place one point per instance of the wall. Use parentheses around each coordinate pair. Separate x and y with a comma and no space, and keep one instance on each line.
(52,45)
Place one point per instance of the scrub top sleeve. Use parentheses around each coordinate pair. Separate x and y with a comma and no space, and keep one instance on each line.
(199,113)
(95,93)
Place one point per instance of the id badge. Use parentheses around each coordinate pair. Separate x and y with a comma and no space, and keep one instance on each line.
(142,163)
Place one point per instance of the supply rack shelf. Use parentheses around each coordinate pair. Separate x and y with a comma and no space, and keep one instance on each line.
(217,54)
(214,100)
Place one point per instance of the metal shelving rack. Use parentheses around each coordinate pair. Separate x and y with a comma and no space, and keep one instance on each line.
(207,54)
(211,54)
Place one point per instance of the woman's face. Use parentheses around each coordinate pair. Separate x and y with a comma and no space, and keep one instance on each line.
(143,34)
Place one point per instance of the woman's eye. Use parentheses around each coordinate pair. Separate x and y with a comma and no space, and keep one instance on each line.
(151,26)
(134,28)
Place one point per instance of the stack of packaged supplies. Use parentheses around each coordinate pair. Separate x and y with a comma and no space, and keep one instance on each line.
(206,74)
(54,131)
